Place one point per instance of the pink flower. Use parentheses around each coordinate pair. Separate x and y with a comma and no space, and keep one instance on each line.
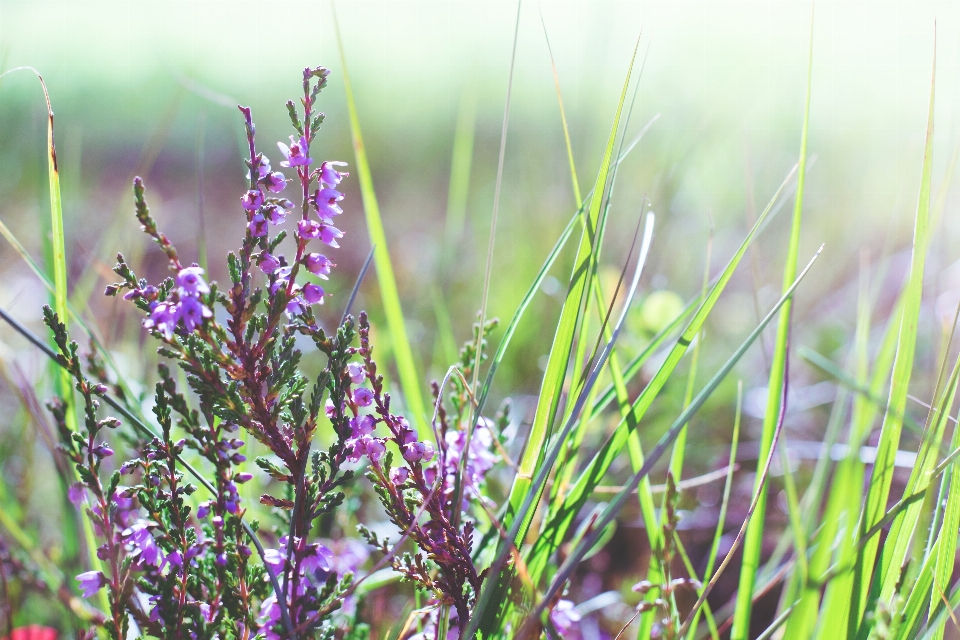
(274,214)
(258,225)
(329,235)
(313,293)
(190,281)
(363,397)
(330,176)
(308,229)
(295,154)
(318,265)
(355,371)
(252,200)
(275,181)
(268,263)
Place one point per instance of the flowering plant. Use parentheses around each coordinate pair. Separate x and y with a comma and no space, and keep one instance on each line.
(173,565)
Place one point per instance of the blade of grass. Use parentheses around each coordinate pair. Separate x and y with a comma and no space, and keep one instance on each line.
(403,353)
(558,521)
(946,554)
(543,471)
(613,508)
(840,512)
(722,518)
(778,372)
(460,165)
(60,298)
(553,380)
(882,475)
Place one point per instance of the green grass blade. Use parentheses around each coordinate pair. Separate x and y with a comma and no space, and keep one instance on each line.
(558,521)
(402,352)
(778,371)
(461,162)
(558,358)
(60,298)
(615,505)
(722,518)
(879,487)
(946,554)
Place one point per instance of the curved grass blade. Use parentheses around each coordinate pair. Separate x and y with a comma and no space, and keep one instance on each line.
(402,352)
(613,508)
(537,484)
(558,521)
(778,372)
(882,476)
(722,518)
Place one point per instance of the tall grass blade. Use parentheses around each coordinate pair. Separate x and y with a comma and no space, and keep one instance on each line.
(946,554)
(538,482)
(558,520)
(882,475)
(615,505)
(778,373)
(722,517)
(402,352)
(558,358)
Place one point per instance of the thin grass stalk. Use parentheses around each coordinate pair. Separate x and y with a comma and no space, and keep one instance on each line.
(778,373)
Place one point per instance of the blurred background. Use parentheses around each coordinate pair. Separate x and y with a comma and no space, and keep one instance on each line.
(150,88)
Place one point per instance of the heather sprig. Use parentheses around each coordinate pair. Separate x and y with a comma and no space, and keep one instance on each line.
(243,373)
(443,565)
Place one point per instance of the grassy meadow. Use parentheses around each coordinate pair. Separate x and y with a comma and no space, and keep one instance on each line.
(854,532)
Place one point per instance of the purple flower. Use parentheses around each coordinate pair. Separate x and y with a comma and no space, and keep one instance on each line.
(203,510)
(295,154)
(318,265)
(417,451)
(268,263)
(274,214)
(318,562)
(243,477)
(192,312)
(330,176)
(313,293)
(566,619)
(326,201)
(102,450)
(308,229)
(276,558)
(356,372)
(77,494)
(91,582)
(363,397)
(190,281)
(275,182)
(362,426)
(163,318)
(258,225)
(252,200)
(263,168)
(295,306)
(399,475)
(142,544)
(329,235)
(330,409)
